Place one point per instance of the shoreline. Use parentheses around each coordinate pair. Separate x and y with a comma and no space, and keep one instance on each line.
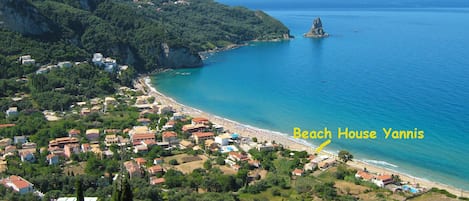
(144,83)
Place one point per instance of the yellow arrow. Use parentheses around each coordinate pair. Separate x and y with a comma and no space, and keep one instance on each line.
(324,144)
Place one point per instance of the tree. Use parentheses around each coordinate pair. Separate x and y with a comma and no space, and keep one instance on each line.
(208,164)
(79,190)
(345,156)
(173,162)
(126,190)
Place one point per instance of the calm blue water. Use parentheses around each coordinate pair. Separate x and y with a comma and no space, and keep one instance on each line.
(400,68)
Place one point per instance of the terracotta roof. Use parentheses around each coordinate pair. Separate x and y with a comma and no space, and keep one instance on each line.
(168,134)
(385,177)
(143,136)
(140,160)
(7,125)
(19,182)
(365,175)
(155,180)
(298,171)
(199,120)
(203,134)
(155,168)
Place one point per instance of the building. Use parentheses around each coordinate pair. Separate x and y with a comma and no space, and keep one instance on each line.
(297,172)
(139,137)
(200,121)
(110,140)
(155,169)
(133,169)
(158,161)
(65,64)
(265,147)
(383,180)
(140,161)
(12,112)
(184,144)
(237,156)
(98,59)
(61,142)
(52,159)
(156,181)
(27,155)
(223,140)
(29,145)
(110,101)
(201,136)
(19,139)
(70,149)
(193,128)
(74,133)
(27,60)
(5,142)
(170,137)
(92,134)
(144,121)
(364,175)
(18,184)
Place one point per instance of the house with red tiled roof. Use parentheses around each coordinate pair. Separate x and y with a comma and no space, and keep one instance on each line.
(140,161)
(156,180)
(70,149)
(155,169)
(18,184)
(297,172)
(200,121)
(200,136)
(170,137)
(237,156)
(7,125)
(383,180)
(364,175)
(133,169)
(194,128)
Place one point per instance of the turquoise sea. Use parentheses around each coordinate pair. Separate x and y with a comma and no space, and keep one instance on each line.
(393,68)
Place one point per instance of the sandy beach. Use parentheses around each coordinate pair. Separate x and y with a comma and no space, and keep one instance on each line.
(144,84)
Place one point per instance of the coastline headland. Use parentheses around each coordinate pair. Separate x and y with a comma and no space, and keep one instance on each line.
(143,83)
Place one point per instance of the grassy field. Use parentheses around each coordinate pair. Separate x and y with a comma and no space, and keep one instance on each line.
(77,169)
(186,168)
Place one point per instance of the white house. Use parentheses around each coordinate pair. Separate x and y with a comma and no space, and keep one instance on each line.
(12,111)
(223,139)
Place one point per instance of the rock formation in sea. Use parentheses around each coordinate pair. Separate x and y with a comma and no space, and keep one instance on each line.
(316,30)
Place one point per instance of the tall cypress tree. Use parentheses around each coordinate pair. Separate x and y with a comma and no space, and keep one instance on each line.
(126,190)
(79,190)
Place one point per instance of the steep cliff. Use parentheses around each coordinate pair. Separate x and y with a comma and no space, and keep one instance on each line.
(22,17)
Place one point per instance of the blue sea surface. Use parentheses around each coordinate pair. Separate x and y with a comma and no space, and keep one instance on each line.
(380,68)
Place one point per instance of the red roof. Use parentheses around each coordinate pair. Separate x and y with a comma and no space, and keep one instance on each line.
(298,171)
(203,134)
(157,181)
(155,168)
(365,175)
(19,182)
(168,134)
(199,120)
(143,120)
(7,125)
(140,160)
(385,177)
(143,136)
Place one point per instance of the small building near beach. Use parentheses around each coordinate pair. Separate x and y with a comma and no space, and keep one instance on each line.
(200,136)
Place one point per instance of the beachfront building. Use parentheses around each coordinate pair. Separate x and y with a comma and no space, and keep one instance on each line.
(200,121)
(18,184)
(265,147)
(383,180)
(223,140)
(189,128)
(201,136)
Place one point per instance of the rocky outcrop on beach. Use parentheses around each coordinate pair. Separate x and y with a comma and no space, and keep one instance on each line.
(316,30)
